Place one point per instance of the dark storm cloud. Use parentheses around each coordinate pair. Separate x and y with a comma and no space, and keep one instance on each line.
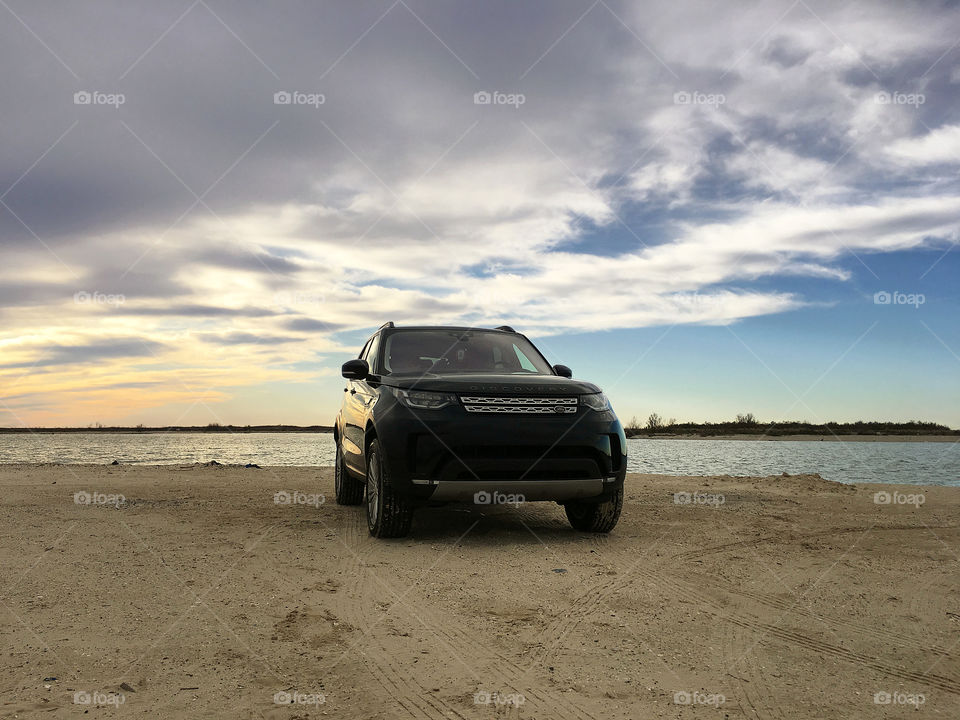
(149,199)
(244,338)
(95,351)
(199,115)
(252,261)
(198,107)
(97,281)
(27,293)
(134,283)
(195,310)
(786,52)
(303,324)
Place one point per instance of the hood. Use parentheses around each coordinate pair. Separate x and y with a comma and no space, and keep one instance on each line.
(487,384)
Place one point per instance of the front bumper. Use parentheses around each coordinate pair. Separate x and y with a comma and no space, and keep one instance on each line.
(449,454)
(485,492)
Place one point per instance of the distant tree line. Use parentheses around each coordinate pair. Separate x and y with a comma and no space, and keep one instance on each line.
(210,428)
(747,424)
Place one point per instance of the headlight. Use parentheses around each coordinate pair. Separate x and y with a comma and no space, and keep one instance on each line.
(423,400)
(596,401)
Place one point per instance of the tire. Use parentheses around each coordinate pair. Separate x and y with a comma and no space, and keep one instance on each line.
(595,517)
(388,514)
(349,490)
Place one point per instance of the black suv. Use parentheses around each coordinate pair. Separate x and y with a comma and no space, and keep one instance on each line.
(437,414)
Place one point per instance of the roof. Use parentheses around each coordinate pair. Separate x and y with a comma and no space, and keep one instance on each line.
(459,328)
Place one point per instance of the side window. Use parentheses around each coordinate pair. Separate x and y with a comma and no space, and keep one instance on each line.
(372,351)
(525,362)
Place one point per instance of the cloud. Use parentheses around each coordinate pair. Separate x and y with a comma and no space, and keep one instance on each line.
(188,310)
(603,201)
(91,352)
(245,338)
(940,146)
(304,324)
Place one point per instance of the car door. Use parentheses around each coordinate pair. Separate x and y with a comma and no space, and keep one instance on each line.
(354,420)
(364,393)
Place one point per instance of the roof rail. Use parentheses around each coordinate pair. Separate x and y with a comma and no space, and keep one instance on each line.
(506,328)
(386,325)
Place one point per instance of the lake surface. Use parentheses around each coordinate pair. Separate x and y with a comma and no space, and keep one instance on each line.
(849,462)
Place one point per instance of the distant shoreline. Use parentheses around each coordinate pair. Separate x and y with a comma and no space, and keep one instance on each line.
(231,429)
(797,437)
(324,429)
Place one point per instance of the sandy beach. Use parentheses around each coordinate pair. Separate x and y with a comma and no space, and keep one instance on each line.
(189,592)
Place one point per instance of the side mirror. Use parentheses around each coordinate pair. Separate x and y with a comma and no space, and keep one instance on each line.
(355,369)
(563,371)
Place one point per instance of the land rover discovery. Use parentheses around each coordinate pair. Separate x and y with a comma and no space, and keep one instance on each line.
(438,414)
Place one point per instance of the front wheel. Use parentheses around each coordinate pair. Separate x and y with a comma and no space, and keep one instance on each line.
(349,490)
(389,514)
(595,517)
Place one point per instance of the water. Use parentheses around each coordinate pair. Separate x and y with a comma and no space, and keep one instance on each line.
(912,463)
(169,448)
(924,463)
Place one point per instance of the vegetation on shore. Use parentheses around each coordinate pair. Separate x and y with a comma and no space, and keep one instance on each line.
(211,428)
(749,425)
(655,425)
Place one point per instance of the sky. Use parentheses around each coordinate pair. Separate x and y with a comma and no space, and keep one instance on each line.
(705,208)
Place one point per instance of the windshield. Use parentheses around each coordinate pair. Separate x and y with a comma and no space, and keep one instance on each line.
(461,351)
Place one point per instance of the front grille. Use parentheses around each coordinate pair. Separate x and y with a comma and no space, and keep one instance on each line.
(520,405)
(523,462)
